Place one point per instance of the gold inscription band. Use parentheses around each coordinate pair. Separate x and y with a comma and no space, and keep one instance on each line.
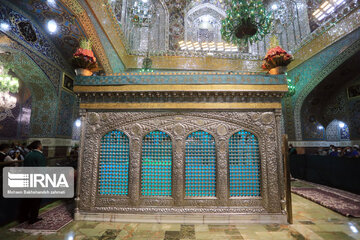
(182,106)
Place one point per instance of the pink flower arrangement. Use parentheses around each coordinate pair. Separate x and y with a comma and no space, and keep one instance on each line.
(84,57)
(276,57)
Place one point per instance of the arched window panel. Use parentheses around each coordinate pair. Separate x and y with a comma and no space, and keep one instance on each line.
(200,165)
(244,165)
(114,164)
(156,164)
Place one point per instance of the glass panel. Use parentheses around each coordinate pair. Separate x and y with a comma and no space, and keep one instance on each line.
(156,164)
(200,165)
(244,165)
(114,164)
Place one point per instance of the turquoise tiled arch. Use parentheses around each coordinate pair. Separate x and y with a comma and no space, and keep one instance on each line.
(114,164)
(244,165)
(200,165)
(156,164)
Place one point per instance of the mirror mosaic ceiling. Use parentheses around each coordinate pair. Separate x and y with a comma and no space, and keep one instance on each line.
(192,28)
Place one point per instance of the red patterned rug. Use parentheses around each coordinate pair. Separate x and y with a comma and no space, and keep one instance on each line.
(52,221)
(345,203)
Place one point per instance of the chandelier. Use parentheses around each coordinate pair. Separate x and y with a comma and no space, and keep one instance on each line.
(8,85)
(246,21)
(142,12)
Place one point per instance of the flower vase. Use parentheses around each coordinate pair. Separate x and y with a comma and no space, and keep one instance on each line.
(278,70)
(83,72)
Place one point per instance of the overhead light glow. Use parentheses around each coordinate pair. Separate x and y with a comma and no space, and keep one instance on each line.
(4,26)
(51,2)
(316,12)
(327,8)
(78,123)
(341,124)
(320,127)
(208,46)
(330,10)
(321,17)
(274,6)
(324,4)
(206,18)
(353,228)
(70,236)
(339,2)
(52,26)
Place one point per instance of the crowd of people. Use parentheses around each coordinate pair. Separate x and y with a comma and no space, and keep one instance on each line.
(349,152)
(13,153)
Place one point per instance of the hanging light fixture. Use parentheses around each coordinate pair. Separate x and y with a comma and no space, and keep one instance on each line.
(8,85)
(246,21)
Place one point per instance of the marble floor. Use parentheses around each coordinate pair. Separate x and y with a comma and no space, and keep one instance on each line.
(311,221)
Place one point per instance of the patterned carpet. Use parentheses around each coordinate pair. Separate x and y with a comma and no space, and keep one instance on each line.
(52,221)
(345,203)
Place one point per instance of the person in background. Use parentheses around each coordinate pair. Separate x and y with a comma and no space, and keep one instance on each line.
(292,150)
(347,152)
(29,207)
(12,149)
(4,153)
(335,152)
(340,151)
(24,150)
(331,149)
(355,153)
(17,155)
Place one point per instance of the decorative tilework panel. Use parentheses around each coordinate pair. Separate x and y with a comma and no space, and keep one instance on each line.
(344,133)
(310,73)
(156,164)
(9,125)
(44,95)
(336,133)
(244,165)
(354,110)
(24,131)
(41,43)
(181,78)
(200,165)
(114,164)
(68,32)
(333,131)
(65,114)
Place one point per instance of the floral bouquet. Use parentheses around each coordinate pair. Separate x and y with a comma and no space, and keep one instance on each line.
(276,57)
(84,57)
